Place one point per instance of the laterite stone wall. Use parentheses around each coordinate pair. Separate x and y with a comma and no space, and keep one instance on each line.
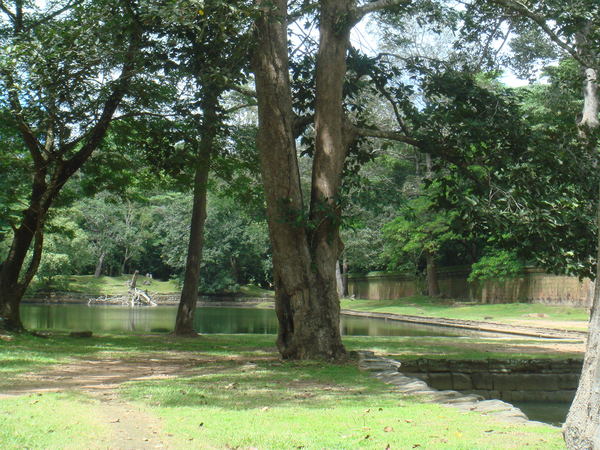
(531,286)
(526,380)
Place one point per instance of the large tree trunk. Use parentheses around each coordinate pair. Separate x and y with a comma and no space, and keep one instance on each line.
(589,116)
(582,427)
(99,265)
(433,288)
(184,323)
(344,276)
(339,280)
(13,282)
(13,278)
(304,257)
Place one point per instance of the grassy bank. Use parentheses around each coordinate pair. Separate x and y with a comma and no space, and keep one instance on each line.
(88,284)
(238,394)
(512,313)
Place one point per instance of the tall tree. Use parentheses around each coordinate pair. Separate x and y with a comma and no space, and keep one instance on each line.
(65,71)
(305,249)
(212,53)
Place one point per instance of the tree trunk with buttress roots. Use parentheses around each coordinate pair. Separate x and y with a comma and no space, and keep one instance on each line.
(184,323)
(306,299)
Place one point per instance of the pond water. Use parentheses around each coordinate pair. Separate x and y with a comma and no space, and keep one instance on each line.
(100,318)
(554,413)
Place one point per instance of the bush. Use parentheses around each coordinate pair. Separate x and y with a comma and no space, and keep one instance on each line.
(496,265)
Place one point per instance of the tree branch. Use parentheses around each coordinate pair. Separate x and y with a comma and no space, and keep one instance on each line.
(8,12)
(121,85)
(391,135)
(377,5)
(300,124)
(390,99)
(240,106)
(522,9)
(33,145)
(243,90)
(52,15)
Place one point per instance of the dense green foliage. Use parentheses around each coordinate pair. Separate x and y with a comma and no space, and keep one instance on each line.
(508,171)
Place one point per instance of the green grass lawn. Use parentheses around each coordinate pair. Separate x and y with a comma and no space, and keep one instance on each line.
(434,307)
(269,404)
(240,395)
(49,421)
(251,290)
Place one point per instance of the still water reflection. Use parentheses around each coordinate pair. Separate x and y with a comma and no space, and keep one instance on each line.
(100,318)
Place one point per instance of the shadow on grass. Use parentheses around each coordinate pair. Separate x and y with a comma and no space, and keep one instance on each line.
(239,385)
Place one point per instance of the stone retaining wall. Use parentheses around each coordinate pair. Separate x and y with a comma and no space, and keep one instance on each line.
(513,380)
(531,286)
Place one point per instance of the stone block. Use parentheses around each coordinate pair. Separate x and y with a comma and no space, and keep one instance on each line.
(520,396)
(563,395)
(440,380)
(461,382)
(470,366)
(482,380)
(524,381)
(438,365)
(567,381)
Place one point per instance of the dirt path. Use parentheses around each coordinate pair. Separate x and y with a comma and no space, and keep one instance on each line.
(130,427)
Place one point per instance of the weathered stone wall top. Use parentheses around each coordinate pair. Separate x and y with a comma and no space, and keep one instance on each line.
(427,365)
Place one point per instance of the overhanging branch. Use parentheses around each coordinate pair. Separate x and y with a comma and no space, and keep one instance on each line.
(385,134)
(377,5)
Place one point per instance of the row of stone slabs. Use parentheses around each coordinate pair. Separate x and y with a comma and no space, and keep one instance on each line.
(387,370)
